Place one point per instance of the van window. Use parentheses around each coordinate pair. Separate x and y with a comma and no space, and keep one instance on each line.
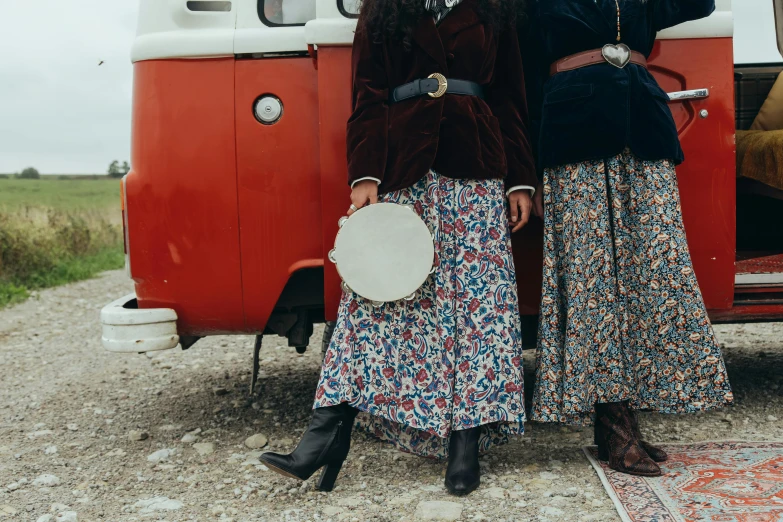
(286,12)
(779,24)
(349,8)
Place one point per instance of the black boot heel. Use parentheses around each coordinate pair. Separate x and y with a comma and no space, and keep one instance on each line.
(329,476)
(599,439)
(325,444)
(463,474)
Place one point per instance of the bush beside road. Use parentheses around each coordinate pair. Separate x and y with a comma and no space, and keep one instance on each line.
(56,231)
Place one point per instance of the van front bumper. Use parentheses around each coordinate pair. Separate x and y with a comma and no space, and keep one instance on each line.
(129,329)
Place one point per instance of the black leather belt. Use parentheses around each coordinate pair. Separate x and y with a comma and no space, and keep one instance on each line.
(436,86)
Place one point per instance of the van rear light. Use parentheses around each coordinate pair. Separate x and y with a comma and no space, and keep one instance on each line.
(124,207)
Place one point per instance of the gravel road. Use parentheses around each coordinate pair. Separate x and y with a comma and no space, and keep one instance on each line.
(87,435)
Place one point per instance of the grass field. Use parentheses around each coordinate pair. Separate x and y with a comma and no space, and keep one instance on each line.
(54,231)
(60,194)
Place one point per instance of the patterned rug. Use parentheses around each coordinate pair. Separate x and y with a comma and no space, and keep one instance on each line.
(707,481)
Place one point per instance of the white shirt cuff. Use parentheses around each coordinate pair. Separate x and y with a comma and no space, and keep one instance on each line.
(365,179)
(521,187)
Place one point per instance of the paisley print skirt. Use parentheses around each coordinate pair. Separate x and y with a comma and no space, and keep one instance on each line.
(452,358)
(622,316)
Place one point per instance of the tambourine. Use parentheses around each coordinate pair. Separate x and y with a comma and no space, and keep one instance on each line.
(383,252)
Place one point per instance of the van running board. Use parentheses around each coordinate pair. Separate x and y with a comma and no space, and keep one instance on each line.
(759,279)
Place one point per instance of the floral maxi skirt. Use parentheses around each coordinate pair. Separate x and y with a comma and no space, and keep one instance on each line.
(451,359)
(622,316)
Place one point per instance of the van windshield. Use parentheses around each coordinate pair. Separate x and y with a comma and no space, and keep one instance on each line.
(286,12)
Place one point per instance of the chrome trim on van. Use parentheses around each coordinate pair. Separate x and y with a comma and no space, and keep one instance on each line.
(695,94)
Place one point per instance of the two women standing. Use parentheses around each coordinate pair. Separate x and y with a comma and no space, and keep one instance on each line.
(623,325)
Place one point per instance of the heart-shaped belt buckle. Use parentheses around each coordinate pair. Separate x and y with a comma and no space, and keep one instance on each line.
(618,55)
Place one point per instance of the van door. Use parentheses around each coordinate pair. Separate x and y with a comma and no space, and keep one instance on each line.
(181,193)
(277,152)
(694,63)
(331,33)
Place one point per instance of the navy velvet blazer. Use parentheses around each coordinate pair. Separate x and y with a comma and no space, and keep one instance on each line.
(596,111)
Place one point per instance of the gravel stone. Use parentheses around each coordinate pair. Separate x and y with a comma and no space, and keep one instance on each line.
(136,435)
(257,441)
(67,516)
(40,433)
(46,480)
(45,518)
(438,510)
(495,492)
(160,455)
(351,501)
(7,510)
(191,436)
(151,505)
(204,448)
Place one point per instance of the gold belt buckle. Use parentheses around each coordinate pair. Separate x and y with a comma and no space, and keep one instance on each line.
(442,85)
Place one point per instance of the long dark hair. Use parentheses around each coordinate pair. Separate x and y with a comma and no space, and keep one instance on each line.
(396,20)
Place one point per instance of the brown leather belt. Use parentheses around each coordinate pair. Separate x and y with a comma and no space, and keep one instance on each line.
(596,56)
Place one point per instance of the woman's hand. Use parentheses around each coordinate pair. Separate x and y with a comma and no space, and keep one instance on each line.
(363,193)
(538,202)
(520,205)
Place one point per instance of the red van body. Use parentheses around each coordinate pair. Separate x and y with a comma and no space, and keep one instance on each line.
(229,219)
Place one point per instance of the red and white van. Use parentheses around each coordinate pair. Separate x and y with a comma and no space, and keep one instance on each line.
(239,171)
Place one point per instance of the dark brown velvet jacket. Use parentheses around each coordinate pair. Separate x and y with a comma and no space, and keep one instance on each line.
(456,136)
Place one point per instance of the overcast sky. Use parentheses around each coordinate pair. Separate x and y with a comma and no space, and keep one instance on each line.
(59,111)
(63,114)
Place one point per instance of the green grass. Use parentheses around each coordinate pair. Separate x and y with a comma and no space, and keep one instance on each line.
(56,231)
(64,271)
(60,194)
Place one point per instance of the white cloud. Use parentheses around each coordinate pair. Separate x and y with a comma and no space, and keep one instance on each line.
(59,111)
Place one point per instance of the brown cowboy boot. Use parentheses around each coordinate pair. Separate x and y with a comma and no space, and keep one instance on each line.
(617,442)
(655,453)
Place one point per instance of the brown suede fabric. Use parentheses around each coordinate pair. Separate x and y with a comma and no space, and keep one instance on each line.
(617,442)
(655,453)
(457,136)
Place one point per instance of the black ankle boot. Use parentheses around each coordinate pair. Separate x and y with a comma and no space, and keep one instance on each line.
(463,475)
(325,444)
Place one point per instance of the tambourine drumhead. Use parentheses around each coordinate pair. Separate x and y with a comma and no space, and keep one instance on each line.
(384,252)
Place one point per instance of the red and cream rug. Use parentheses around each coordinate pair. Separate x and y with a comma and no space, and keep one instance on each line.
(707,481)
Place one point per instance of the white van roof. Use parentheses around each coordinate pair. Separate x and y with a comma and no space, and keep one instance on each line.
(218,28)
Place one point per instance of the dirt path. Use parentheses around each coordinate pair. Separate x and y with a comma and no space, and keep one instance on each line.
(69,412)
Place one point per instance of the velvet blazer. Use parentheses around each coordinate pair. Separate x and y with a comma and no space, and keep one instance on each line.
(456,136)
(596,112)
